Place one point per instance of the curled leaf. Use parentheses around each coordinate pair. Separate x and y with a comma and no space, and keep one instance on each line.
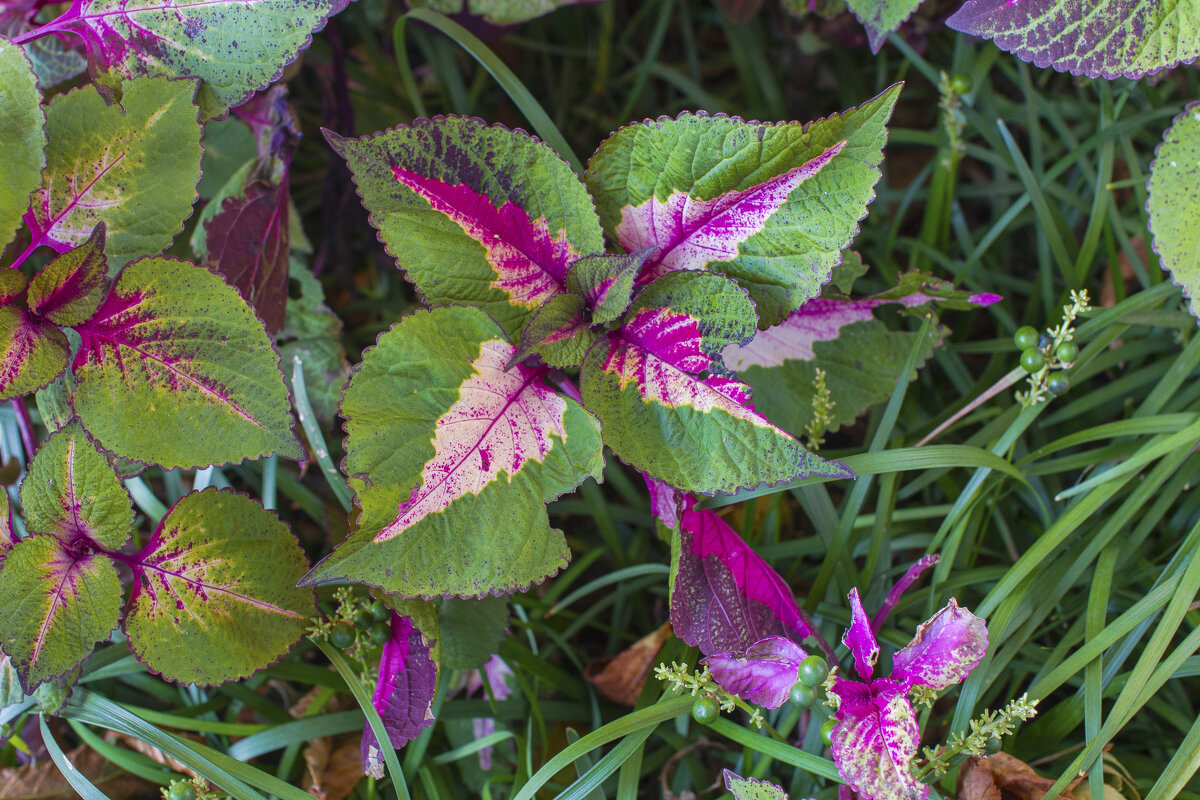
(946,648)
(764,674)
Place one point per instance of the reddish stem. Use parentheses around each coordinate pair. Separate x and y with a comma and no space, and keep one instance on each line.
(24,425)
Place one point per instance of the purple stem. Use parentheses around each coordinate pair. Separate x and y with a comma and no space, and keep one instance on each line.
(25,425)
(830,656)
(568,387)
(893,597)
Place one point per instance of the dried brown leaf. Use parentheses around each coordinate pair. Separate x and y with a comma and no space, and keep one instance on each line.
(621,677)
(1004,777)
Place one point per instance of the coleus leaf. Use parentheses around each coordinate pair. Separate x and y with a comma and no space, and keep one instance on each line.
(451,460)
(234,46)
(70,288)
(724,597)
(176,349)
(558,332)
(247,242)
(945,649)
(881,17)
(777,223)
(12,285)
(58,603)
(503,12)
(764,674)
(660,416)
(1102,39)
(404,691)
(133,166)
(215,595)
(53,60)
(752,788)
(313,333)
(474,214)
(32,352)
(22,137)
(471,630)
(606,282)
(72,493)
(875,739)
(1175,202)
(8,535)
(859,638)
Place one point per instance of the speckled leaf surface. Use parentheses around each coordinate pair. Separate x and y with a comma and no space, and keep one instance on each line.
(503,12)
(133,166)
(404,691)
(71,492)
(57,605)
(875,739)
(12,285)
(32,353)
(775,222)
(235,46)
(70,288)
(945,649)
(1102,39)
(22,137)
(175,369)
(606,282)
(215,595)
(752,788)
(1174,204)
(558,332)
(8,535)
(696,433)
(764,674)
(452,458)
(474,213)
(881,17)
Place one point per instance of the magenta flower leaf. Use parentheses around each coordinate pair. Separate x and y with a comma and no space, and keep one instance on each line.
(606,282)
(70,288)
(876,738)
(752,788)
(12,285)
(558,332)
(893,596)
(452,458)
(724,597)
(32,353)
(58,602)
(404,691)
(946,648)
(861,639)
(658,386)
(474,214)
(667,503)
(763,674)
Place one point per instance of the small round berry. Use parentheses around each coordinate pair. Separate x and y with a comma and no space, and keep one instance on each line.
(1025,337)
(993,745)
(380,612)
(827,731)
(1058,383)
(380,633)
(1032,360)
(181,791)
(341,637)
(1067,352)
(705,710)
(802,696)
(363,619)
(960,84)
(813,671)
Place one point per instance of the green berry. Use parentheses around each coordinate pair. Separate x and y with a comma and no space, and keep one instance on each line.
(181,791)
(341,637)
(802,696)
(960,84)
(705,710)
(380,633)
(827,731)
(993,745)
(1067,352)
(380,612)
(1058,383)
(1025,337)
(363,619)
(813,671)
(1032,360)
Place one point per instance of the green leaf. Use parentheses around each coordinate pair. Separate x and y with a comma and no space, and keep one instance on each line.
(32,353)
(558,332)
(72,492)
(69,289)
(474,214)
(215,597)
(752,788)
(606,282)
(22,137)
(314,333)
(57,604)
(8,537)
(881,17)
(1174,204)
(647,174)
(451,459)
(471,630)
(176,370)
(133,166)
(12,285)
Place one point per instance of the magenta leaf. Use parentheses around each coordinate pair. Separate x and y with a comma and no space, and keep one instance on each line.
(946,648)
(764,674)
(893,597)
(247,243)
(860,638)
(725,598)
(32,353)
(875,740)
(606,282)
(667,503)
(404,691)
(70,288)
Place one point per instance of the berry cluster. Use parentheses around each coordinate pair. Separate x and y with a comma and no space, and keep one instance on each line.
(356,625)
(1046,356)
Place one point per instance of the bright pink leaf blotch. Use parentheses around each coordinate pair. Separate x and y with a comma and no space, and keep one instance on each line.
(860,638)
(946,648)
(404,692)
(876,738)
(764,674)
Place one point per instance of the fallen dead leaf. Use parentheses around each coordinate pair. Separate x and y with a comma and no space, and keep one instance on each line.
(42,780)
(621,677)
(333,768)
(1005,777)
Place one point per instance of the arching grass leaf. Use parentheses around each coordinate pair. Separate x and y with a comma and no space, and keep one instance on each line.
(771,206)
(503,12)
(133,166)
(32,353)
(176,370)
(473,213)
(22,137)
(1102,39)
(57,604)
(1174,204)
(215,597)
(452,458)
(71,492)
(70,288)
(235,46)
(696,433)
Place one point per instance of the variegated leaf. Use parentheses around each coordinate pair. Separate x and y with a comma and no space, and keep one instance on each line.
(764,674)
(752,788)
(946,648)
(558,332)
(32,353)
(70,288)
(875,740)
(606,282)
(22,137)
(406,686)
(1174,202)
